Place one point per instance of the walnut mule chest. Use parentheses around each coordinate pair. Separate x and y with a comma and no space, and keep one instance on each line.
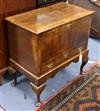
(44,40)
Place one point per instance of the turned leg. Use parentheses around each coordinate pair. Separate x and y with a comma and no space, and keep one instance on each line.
(38,91)
(84,61)
(13,74)
(14,77)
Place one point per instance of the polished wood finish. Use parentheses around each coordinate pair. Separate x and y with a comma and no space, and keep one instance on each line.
(93,5)
(48,16)
(7,8)
(42,42)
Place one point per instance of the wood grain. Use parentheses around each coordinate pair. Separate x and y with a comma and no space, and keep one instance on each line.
(42,42)
(51,16)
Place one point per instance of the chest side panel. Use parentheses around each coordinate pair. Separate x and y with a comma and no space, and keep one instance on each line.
(23,48)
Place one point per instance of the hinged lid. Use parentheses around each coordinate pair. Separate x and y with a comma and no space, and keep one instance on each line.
(43,19)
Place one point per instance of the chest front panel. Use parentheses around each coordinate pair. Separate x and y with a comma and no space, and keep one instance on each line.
(62,43)
(52,41)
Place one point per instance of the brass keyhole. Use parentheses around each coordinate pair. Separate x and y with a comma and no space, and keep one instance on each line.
(50,65)
(65,54)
